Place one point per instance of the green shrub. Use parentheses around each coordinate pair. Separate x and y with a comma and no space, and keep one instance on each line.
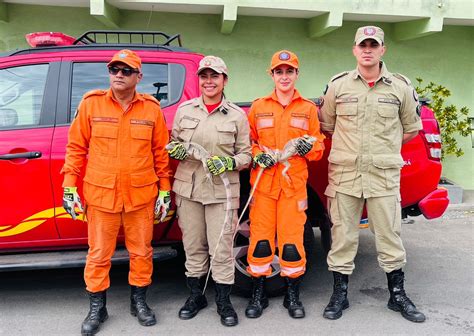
(452,122)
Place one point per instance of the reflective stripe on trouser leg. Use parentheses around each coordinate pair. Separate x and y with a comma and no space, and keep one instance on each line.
(263,214)
(385,220)
(138,230)
(192,222)
(223,267)
(345,212)
(102,228)
(291,218)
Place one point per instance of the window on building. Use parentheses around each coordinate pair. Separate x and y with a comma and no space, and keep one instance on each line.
(21,95)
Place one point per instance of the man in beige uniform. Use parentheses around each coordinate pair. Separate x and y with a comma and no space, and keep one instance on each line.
(370,112)
(221,129)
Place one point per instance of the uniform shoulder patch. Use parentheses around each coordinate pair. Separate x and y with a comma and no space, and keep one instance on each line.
(235,107)
(339,75)
(402,78)
(309,100)
(187,102)
(94,93)
(150,98)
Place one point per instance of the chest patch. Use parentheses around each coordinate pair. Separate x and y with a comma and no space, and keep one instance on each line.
(347,100)
(389,101)
(105,119)
(142,122)
(263,114)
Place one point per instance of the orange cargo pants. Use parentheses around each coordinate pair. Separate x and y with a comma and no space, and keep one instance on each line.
(283,218)
(103,229)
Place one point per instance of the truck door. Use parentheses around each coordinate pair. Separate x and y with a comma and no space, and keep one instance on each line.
(27,108)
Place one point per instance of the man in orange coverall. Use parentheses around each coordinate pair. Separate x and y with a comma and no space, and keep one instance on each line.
(123,133)
(279,203)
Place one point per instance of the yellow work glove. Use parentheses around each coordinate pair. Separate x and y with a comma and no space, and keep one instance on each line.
(162,205)
(303,146)
(71,200)
(264,160)
(219,164)
(176,150)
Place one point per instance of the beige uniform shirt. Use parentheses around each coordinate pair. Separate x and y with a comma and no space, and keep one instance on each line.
(368,124)
(223,132)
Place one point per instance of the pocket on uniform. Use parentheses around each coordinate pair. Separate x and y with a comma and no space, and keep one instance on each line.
(183,179)
(387,118)
(99,188)
(143,187)
(141,140)
(387,170)
(342,167)
(188,127)
(234,185)
(231,209)
(226,133)
(104,139)
(346,114)
(266,131)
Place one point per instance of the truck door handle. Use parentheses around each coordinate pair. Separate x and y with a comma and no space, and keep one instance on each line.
(24,155)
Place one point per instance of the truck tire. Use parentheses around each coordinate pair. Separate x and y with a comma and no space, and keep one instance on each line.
(275,284)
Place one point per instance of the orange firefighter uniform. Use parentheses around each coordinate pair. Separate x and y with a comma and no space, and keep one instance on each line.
(278,207)
(127,163)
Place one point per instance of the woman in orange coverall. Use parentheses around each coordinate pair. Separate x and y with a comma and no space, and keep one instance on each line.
(279,204)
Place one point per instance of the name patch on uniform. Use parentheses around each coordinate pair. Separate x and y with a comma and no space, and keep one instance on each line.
(265,123)
(300,115)
(300,123)
(142,122)
(389,101)
(105,119)
(346,100)
(264,114)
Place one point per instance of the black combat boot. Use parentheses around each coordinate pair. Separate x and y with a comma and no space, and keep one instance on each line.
(97,314)
(338,301)
(292,298)
(224,306)
(259,301)
(196,300)
(399,301)
(139,308)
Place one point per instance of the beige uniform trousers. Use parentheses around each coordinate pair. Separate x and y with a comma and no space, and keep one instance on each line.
(384,221)
(201,226)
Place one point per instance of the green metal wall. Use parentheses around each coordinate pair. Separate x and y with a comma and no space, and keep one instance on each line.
(445,57)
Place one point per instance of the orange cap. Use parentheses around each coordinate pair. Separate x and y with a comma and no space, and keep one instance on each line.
(284,57)
(127,57)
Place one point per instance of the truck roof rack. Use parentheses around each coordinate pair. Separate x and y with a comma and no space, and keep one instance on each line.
(157,38)
(113,39)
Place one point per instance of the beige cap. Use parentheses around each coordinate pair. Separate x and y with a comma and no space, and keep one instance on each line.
(369,32)
(213,62)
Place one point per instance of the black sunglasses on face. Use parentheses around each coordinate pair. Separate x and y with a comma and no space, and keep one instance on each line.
(114,70)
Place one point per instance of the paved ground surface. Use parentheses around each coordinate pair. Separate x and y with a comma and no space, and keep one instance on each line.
(440,278)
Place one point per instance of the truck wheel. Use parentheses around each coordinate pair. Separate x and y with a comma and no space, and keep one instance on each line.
(275,284)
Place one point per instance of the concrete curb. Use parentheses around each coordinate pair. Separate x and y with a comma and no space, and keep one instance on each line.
(461,207)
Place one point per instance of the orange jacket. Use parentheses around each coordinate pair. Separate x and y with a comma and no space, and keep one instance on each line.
(272,126)
(125,151)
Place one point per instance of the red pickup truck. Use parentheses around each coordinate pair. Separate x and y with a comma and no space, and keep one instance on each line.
(40,89)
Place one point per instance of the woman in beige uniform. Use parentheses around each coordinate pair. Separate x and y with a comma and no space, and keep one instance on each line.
(212,123)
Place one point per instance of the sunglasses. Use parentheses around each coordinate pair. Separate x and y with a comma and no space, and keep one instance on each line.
(114,70)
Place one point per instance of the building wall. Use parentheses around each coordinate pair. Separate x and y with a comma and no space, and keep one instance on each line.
(445,57)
